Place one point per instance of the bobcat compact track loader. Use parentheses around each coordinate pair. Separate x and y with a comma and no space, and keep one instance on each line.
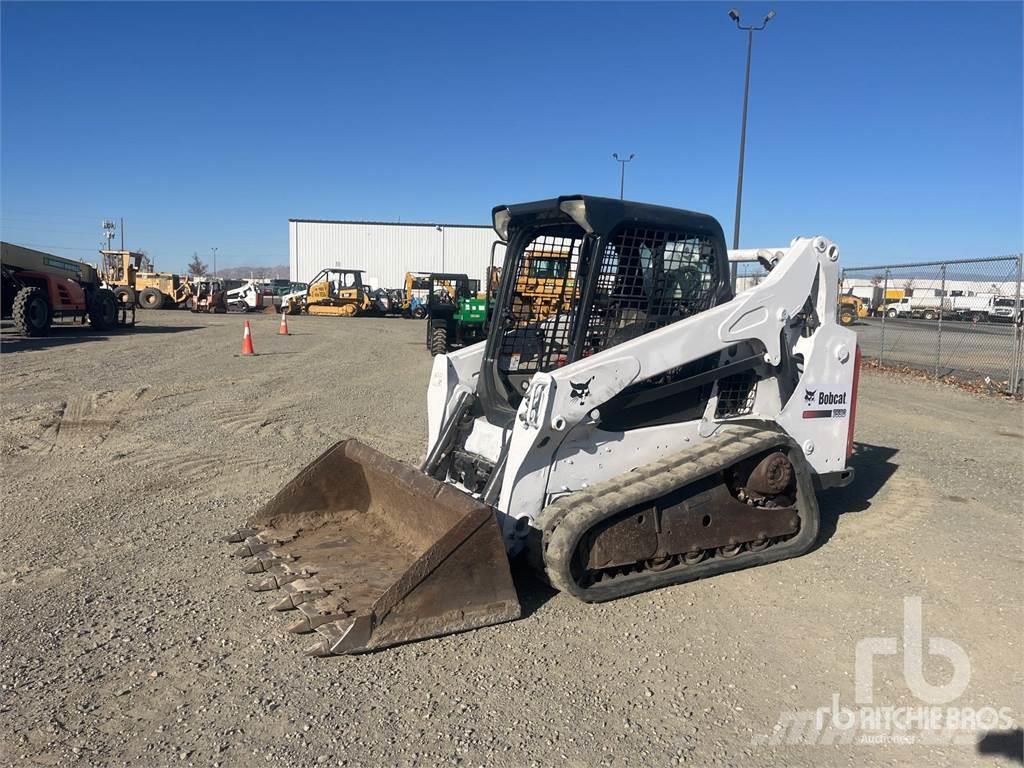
(649,428)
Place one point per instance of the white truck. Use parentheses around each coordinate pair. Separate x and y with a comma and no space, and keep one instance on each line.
(927,307)
(1006,309)
(973,308)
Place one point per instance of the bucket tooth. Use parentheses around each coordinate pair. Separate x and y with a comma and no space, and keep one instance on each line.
(286,603)
(239,535)
(277,576)
(318,612)
(330,634)
(259,566)
(299,592)
(305,625)
(254,545)
(320,648)
(262,542)
(266,560)
(344,636)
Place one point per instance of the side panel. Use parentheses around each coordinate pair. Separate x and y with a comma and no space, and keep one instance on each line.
(559,402)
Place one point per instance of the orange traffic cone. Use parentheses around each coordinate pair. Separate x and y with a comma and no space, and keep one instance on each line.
(283,330)
(247,341)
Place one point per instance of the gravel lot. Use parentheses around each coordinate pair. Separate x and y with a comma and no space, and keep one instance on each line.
(128,637)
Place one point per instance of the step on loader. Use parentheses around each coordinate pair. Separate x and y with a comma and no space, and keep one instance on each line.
(640,427)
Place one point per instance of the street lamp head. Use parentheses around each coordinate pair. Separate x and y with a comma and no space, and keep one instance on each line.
(615,155)
(769,17)
(734,15)
(631,155)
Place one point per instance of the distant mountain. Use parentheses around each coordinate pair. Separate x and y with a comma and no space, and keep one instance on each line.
(242,273)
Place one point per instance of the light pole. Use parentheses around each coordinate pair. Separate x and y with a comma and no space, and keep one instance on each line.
(214,261)
(440,229)
(750,30)
(622,172)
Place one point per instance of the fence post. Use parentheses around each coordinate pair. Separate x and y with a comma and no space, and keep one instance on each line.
(1018,335)
(881,341)
(942,304)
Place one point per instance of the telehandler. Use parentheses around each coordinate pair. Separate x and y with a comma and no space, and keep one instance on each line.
(649,429)
(38,287)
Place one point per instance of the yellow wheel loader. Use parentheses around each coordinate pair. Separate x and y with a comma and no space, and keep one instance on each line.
(650,428)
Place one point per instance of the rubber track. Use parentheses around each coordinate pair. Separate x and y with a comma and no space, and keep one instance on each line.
(564,522)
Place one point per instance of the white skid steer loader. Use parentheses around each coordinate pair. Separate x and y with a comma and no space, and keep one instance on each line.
(628,424)
(248,297)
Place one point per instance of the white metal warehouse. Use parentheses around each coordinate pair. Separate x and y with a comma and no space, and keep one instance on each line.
(385,251)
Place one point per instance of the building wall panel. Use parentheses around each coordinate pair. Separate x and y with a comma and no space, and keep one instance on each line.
(387,251)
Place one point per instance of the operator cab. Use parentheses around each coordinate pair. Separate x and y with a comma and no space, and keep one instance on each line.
(583,274)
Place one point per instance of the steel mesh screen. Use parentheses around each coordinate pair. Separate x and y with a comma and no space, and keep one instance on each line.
(538,322)
(648,279)
(736,395)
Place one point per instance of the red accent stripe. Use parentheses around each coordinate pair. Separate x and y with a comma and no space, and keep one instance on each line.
(853,403)
(818,414)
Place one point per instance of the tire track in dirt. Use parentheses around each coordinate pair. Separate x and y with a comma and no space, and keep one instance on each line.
(89,419)
(264,423)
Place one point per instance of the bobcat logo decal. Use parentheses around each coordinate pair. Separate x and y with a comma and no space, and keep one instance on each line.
(581,391)
(809,395)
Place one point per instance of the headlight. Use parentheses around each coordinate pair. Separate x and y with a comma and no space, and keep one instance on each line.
(501,220)
(577,210)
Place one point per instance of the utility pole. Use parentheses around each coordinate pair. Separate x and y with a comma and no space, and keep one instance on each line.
(122,233)
(750,30)
(108,232)
(622,172)
(214,261)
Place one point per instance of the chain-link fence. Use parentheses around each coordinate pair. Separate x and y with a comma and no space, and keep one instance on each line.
(952,318)
(749,274)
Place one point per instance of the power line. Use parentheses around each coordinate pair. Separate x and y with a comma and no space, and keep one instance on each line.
(59,247)
(7,212)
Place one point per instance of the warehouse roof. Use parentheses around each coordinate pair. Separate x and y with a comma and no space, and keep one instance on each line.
(389,223)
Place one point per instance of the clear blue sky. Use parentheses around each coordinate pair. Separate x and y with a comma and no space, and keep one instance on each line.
(895,129)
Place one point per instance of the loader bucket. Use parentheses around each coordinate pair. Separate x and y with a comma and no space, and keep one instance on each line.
(373,553)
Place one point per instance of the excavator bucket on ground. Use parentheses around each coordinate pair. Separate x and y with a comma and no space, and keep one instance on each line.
(372,553)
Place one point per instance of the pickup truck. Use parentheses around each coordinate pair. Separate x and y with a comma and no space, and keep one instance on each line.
(1005,308)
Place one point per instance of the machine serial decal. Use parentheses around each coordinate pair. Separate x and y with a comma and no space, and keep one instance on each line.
(580,391)
(825,398)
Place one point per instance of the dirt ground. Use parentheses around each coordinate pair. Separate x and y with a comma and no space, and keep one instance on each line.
(128,637)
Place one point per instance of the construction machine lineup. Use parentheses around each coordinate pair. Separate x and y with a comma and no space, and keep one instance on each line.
(626,422)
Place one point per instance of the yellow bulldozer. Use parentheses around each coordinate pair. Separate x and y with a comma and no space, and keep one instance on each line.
(333,291)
